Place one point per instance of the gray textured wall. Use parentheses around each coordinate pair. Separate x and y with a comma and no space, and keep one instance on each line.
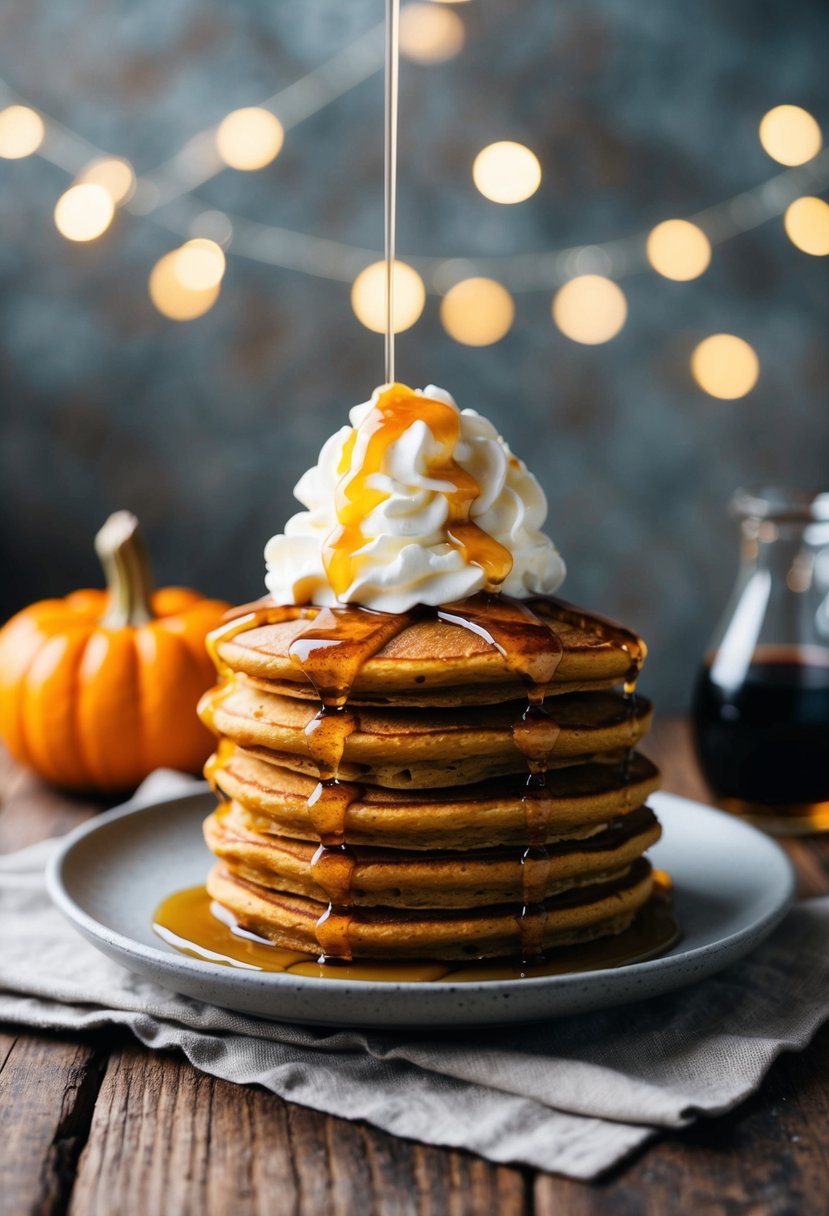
(638,109)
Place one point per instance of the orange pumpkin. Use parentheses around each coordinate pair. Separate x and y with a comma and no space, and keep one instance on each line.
(100,688)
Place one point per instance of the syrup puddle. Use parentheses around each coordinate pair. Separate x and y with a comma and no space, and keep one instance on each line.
(192,923)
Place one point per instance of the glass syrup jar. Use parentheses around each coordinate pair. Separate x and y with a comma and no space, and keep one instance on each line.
(761,700)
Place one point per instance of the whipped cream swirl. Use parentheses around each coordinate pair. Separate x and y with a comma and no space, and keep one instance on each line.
(406,554)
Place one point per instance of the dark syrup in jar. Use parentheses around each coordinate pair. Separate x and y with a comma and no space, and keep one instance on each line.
(764,744)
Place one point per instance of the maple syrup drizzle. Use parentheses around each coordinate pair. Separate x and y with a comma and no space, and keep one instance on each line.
(192,923)
(357,494)
(532,650)
(330,652)
(632,646)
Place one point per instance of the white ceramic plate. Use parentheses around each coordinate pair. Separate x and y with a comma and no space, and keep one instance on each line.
(732,886)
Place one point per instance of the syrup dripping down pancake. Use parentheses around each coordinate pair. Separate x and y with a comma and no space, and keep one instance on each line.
(435,661)
(290,920)
(584,798)
(423,748)
(400,879)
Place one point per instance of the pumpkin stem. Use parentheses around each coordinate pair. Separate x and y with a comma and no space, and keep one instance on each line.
(121,550)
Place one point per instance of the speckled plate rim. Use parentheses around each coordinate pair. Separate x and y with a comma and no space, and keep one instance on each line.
(702,847)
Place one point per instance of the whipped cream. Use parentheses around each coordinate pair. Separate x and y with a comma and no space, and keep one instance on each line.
(394,513)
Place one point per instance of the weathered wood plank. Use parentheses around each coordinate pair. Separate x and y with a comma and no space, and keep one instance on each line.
(167,1139)
(48,1088)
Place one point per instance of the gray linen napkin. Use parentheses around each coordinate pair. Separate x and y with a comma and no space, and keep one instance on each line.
(573,1096)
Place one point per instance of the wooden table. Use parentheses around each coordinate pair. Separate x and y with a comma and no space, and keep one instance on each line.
(97,1125)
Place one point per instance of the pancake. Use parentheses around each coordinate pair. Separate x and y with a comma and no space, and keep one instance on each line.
(397,879)
(433,661)
(583,799)
(425,747)
(290,920)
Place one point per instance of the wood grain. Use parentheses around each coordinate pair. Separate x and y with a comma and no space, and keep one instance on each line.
(167,1139)
(48,1087)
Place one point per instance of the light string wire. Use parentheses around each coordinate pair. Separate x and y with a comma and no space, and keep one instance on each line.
(166,197)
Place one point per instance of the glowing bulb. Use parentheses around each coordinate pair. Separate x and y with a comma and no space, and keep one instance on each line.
(678,250)
(725,366)
(790,135)
(249,138)
(368,296)
(477,312)
(199,264)
(172,297)
(115,174)
(506,172)
(807,225)
(21,132)
(84,212)
(590,309)
(429,34)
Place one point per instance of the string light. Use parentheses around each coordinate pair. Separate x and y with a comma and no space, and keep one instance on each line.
(114,174)
(506,172)
(250,138)
(807,225)
(84,212)
(590,309)
(337,261)
(21,132)
(199,264)
(678,250)
(477,312)
(790,135)
(429,34)
(368,296)
(725,366)
(172,296)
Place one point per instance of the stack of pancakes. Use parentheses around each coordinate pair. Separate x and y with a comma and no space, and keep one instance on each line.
(444,852)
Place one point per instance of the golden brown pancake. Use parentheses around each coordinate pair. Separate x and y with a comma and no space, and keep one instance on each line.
(289,920)
(399,879)
(425,747)
(433,661)
(583,799)
(434,848)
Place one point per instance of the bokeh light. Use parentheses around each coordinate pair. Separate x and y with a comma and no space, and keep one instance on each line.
(21,132)
(506,172)
(172,297)
(199,264)
(790,135)
(84,212)
(679,250)
(430,34)
(477,312)
(590,309)
(807,225)
(249,138)
(725,366)
(114,174)
(368,296)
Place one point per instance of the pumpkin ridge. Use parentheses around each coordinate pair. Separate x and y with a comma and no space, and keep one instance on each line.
(77,733)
